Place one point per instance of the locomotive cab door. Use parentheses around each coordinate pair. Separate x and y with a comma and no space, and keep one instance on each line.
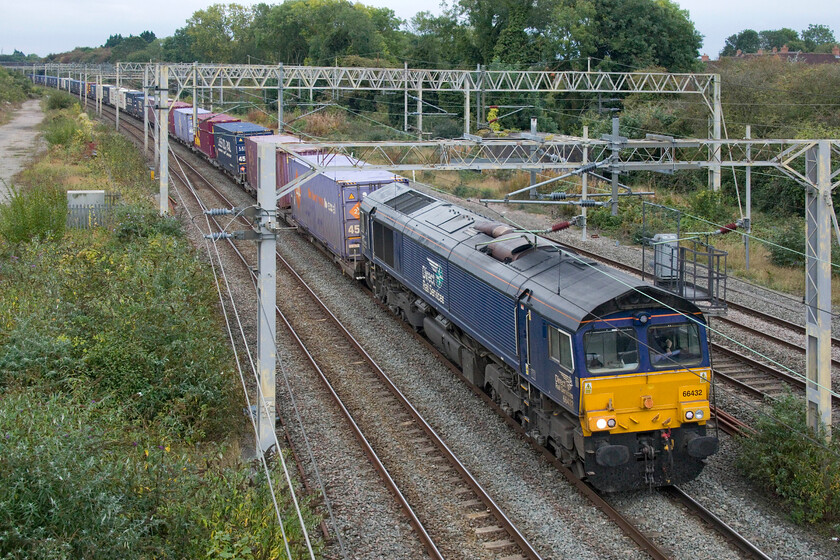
(524,336)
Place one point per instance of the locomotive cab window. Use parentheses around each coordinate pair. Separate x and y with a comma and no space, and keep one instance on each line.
(674,345)
(560,348)
(611,350)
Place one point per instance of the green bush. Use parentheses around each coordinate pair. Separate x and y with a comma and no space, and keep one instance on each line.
(61,131)
(788,247)
(131,315)
(710,205)
(60,100)
(33,214)
(798,468)
(81,481)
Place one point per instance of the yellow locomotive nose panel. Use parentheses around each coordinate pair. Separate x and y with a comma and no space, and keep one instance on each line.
(644,401)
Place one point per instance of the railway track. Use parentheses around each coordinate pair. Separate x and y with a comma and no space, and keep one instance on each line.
(397,450)
(731,535)
(433,450)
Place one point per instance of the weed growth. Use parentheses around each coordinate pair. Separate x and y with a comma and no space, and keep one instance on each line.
(784,459)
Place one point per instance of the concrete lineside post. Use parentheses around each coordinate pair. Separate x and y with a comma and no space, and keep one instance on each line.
(584,183)
(117,97)
(614,176)
(267,288)
(195,99)
(163,119)
(818,207)
(86,88)
(717,117)
(420,109)
(466,108)
(533,172)
(748,173)
(146,96)
(405,96)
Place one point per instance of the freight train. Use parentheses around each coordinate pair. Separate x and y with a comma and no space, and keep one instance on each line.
(613,375)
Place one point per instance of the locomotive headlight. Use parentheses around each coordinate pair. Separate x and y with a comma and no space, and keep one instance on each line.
(611,422)
(699,414)
(601,424)
(689,415)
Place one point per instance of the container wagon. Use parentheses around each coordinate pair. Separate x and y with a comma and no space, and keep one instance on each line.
(204,140)
(230,145)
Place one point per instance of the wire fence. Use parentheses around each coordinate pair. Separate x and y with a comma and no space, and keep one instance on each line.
(96,211)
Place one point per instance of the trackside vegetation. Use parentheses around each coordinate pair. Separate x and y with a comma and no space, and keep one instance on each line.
(794,465)
(120,418)
(15,88)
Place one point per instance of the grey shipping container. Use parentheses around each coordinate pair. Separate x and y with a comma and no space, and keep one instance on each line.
(183,118)
(328,204)
(230,145)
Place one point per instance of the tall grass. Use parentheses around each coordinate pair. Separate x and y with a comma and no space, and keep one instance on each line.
(33,214)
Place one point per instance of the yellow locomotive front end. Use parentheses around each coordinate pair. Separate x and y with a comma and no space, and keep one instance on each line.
(644,405)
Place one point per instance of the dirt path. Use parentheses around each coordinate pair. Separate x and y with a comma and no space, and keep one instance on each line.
(19,142)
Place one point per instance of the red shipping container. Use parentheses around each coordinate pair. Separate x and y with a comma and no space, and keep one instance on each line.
(205,140)
(282,166)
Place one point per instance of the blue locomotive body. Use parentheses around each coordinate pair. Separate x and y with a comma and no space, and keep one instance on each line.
(564,345)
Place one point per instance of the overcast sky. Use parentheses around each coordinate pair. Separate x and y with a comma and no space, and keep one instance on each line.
(53,26)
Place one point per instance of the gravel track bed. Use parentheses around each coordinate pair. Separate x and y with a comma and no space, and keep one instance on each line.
(367,517)
(424,478)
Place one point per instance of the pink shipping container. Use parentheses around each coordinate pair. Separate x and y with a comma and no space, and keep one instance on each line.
(205,140)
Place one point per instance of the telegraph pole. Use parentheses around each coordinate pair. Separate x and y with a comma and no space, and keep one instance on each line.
(818,207)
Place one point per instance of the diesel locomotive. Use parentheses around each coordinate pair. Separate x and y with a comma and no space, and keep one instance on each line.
(610,373)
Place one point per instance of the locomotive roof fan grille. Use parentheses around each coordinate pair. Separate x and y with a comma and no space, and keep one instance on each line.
(409,202)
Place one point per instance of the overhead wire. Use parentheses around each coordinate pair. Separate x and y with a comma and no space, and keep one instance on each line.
(263,460)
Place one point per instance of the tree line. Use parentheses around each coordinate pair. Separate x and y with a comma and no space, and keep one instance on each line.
(815,38)
(555,34)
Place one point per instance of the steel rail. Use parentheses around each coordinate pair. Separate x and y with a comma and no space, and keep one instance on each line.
(582,487)
(716,522)
(471,481)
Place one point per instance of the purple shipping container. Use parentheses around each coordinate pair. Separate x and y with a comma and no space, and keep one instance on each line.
(183,119)
(327,205)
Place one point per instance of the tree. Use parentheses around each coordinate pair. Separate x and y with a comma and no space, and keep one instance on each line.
(178,47)
(639,33)
(817,36)
(777,38)
(148,36)
(747,41)
(113,41)
(219,31)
